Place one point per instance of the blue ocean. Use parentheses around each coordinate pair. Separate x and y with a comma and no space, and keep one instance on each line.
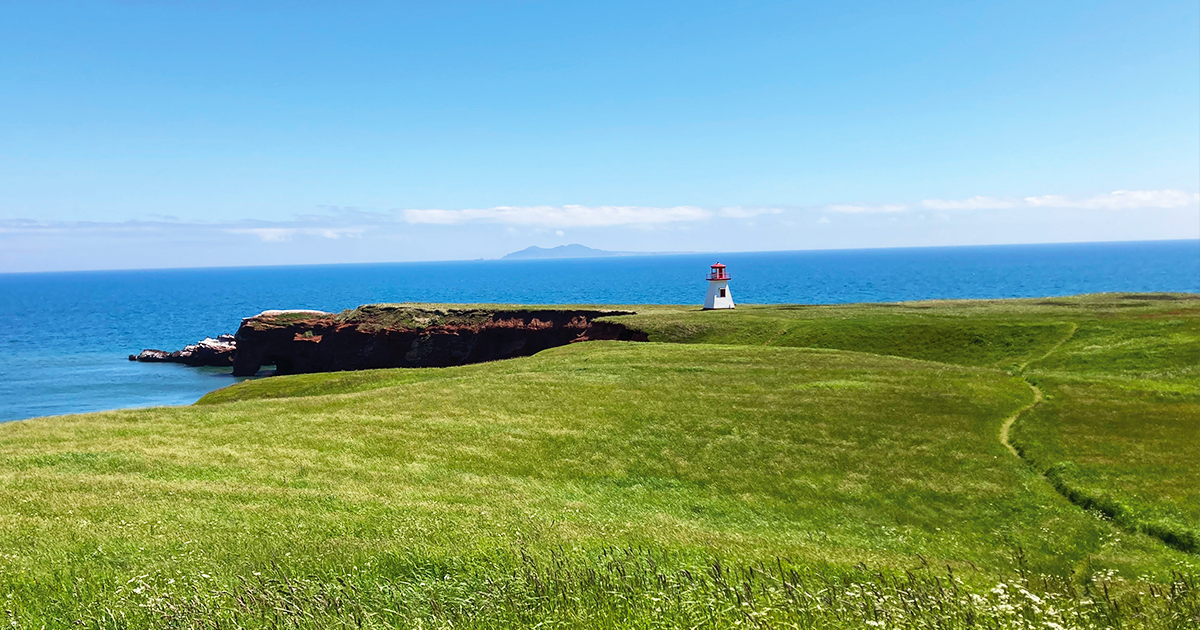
(64,337)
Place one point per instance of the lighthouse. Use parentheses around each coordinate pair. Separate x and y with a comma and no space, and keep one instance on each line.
(718,289)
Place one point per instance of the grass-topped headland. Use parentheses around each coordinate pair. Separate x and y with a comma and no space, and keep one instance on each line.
(413,335)
(423,316)
(786,466)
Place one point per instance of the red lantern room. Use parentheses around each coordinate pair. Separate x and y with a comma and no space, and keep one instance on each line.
(718,273)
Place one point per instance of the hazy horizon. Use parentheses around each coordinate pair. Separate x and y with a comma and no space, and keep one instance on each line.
(624,254)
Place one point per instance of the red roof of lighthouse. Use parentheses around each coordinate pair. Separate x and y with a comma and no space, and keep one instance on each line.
(718,266)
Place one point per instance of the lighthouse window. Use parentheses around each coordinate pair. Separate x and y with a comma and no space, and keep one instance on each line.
(722,292)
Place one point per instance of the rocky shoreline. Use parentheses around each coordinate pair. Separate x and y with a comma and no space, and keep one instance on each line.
(390,336)
(208,352)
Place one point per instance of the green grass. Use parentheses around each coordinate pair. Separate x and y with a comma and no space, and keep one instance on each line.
(960,333)
(1123,390)
(1120,431)
(729,477)
(410,316)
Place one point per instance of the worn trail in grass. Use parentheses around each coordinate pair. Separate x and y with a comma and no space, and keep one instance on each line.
(1006,427)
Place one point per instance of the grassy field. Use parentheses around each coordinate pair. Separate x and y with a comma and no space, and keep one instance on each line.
(781,466)
(1120,430)
(1120,424)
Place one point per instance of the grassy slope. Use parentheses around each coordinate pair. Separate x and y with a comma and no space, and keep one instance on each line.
(397,477)
(1120,430)
(976,333)
(1123,391)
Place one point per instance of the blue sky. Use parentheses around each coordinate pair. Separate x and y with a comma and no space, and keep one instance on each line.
(152,134)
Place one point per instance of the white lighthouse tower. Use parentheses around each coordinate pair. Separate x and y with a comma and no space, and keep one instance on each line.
(718,289)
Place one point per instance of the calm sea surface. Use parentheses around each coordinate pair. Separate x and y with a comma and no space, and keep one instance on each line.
(64,337)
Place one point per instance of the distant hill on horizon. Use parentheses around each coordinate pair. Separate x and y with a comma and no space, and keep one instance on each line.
(574,250)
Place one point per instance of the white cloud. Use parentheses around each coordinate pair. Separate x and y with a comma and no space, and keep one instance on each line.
(267,235)
(859,208)
(284,234)
(739,212)
(560,216)
(971,203)
(1119,200)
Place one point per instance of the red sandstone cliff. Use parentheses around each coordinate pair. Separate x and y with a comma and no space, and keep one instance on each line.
(387,336)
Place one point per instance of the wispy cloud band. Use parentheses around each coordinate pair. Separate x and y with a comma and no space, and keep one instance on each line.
(1116,200)
(349,223)
(283,234)
(570,216)
(577,216)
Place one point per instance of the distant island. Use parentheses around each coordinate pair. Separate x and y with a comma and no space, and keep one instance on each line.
(574,250)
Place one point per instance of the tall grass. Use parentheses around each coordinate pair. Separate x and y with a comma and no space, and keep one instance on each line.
(640,588)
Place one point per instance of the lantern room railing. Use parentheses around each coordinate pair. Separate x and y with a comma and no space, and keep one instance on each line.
(718,274)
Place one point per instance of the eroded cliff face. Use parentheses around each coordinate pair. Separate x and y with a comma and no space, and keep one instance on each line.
(388,336)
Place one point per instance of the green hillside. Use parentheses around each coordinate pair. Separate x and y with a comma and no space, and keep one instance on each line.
(1120,374)
(773,466)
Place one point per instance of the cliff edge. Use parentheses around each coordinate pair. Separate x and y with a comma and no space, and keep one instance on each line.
(401,335)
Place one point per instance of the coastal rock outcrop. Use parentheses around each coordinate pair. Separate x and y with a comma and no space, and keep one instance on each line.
(389,336)
(209,352)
